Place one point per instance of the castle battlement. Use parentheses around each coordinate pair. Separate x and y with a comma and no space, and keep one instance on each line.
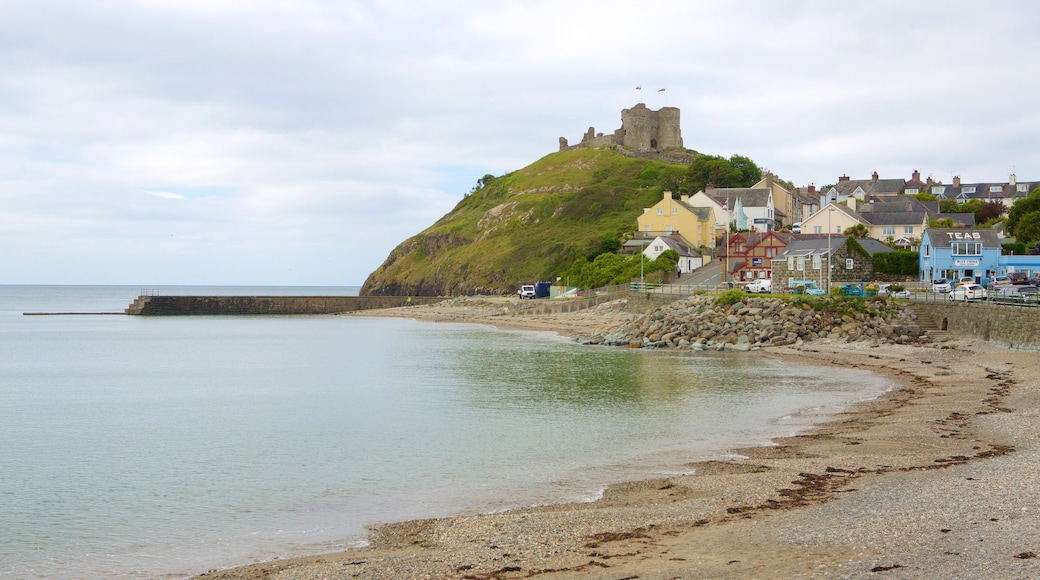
(642,130)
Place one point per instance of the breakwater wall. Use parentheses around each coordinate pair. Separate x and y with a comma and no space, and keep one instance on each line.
(266,305)
(1014,326)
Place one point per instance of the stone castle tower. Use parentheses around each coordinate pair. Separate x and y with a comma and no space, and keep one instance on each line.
(642,131)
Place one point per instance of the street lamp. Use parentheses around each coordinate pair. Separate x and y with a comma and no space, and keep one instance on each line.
(829,210)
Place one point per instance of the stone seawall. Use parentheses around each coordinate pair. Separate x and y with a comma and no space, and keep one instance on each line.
(261,305)
(1014,326)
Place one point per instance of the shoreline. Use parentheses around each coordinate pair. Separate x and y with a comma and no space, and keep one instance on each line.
(950,437)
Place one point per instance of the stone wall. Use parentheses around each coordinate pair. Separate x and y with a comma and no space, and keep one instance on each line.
(257,305)
(1013,326)
(642,130)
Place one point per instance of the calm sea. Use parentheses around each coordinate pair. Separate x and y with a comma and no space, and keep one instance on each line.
(135,447)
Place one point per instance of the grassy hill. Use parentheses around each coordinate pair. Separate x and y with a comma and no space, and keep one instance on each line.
(527,225)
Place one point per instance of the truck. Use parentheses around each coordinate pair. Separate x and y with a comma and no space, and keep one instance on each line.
(805,287)
(526,291)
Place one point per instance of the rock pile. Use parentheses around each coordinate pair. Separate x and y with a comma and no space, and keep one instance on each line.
(699,323)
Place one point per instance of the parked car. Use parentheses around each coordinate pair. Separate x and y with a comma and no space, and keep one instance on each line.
(886,290)
(851,290)
(967,292)
(807,287)
(941,285)
(963,280)
(760,286)
(1017,294)
(998,282)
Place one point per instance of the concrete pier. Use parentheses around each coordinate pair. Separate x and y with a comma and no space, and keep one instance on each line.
(266,305)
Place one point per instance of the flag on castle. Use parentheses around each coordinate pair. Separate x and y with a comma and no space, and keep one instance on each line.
(661,90)
(639,88)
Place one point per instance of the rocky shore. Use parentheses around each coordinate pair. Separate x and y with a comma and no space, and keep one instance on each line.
(936,479)
(703,323)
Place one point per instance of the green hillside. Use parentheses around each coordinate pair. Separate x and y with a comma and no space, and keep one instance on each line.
(527,225)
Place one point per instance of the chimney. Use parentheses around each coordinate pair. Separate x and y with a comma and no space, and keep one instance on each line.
(873,178)
(769,180)
(916,175)
(843,178)
(1013,180)
(812,188)
(684,198)
(667,195)
(709,187)
(956,180)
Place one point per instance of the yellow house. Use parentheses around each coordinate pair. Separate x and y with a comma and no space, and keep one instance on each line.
(671,217)
(835,218)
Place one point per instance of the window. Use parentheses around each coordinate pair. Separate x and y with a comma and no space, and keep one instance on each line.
(770,252)
(675,211)
(888,231)
(660,211)
(966,248)
(801,263)
(658,248)
(927,251)
(996,189)
(938,189)
(968,189)
(646,228)
(849,264)
(790,263)
(912,191)
(908,229)
(817,262)
(837,229)
(1022,188)
(817,229)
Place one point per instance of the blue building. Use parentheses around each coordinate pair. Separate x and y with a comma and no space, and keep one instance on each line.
(953,253)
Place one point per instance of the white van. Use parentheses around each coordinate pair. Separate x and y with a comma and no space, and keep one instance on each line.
(760,286)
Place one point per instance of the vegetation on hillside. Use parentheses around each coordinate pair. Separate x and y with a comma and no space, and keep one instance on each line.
(565,215)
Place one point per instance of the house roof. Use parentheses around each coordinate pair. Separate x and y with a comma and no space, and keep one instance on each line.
(702,213)
(891,203)
(873,185)
(985,191)
(681,248)
(894,218)
(804,245)
(943,236)
(749,197)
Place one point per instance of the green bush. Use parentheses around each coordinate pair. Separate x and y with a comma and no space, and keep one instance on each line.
(730,297)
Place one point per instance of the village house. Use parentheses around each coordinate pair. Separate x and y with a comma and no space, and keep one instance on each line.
(1007,193)
(859,189)
(749,256)
(827,260)
(676,217)
(952,253)
(689,258)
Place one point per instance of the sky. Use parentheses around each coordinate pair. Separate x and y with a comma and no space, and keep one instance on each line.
(297,142)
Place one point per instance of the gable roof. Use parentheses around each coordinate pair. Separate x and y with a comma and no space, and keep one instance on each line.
(808,244)
(894,218)
(941,237)
(749,197)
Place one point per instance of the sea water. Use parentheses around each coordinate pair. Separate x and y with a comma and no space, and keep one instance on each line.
(144,447)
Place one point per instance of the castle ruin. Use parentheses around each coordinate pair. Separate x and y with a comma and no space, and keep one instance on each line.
(642,131)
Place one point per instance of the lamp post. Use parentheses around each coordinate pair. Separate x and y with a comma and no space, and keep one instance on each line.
(829,210)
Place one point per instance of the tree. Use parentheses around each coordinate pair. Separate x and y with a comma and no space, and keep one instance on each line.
(1027,230)
(749,172)
(858,231)
(990,210)
(1022,207)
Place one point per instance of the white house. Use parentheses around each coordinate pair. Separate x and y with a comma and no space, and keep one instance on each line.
(689,259)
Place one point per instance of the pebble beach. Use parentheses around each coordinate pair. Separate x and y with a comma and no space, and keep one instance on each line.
(935,479)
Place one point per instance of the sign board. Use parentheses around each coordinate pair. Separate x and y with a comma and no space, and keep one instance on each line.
(966,263)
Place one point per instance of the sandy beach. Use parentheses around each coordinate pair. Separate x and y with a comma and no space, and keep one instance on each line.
(936,479)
